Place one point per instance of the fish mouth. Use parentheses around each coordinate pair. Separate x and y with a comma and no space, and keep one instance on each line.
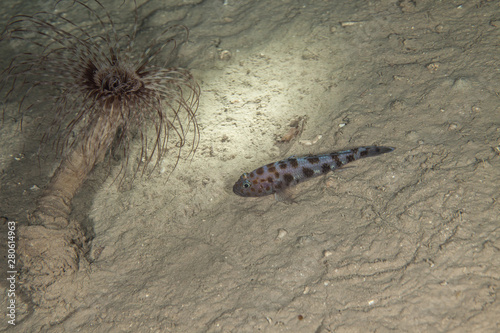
(237,190)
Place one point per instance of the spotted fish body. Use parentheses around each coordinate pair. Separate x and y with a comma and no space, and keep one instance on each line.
(276,177)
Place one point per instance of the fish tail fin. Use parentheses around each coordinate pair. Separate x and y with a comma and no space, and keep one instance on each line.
(370,151)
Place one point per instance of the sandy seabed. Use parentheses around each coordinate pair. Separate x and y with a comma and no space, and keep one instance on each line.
(407,241)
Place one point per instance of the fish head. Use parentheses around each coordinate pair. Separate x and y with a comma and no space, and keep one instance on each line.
(248,187)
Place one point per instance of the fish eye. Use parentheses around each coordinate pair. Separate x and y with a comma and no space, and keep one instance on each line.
(246,185)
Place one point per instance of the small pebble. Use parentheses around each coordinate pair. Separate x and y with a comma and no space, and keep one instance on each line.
(225,55)
(433,67)
(281,234)
(310,142)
